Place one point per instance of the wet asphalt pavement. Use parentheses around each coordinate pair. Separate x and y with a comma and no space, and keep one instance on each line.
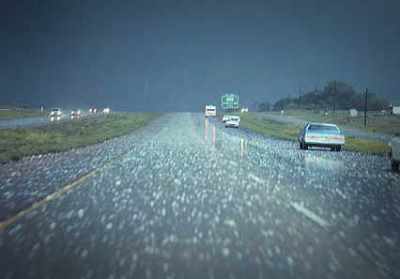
(38,121)
(23,122)
(187,198)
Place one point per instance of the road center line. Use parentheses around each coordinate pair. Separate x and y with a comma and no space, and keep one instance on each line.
(310,215)
(67,188)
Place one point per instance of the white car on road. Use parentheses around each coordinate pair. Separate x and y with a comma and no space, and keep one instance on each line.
(321,135)
(394,153)
(55,114)
(226,118)
(233,121)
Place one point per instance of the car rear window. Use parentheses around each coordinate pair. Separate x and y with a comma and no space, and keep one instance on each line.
(324,129)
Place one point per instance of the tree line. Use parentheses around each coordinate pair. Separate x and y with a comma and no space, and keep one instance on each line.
(336,95)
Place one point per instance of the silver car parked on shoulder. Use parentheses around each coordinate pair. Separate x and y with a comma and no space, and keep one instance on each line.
(321,135)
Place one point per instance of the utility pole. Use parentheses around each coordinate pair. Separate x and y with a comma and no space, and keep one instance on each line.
(365,108)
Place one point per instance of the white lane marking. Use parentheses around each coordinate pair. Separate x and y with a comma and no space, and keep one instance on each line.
(310,215)
(341,193)
(55,195)
(256,178)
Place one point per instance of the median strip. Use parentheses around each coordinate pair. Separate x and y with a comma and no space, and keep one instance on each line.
(59,137)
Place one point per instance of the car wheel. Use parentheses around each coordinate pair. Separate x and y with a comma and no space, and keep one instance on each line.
(395,165)
(305,146)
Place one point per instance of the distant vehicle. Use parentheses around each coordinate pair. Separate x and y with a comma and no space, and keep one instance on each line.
(106,110)
(210,111)
(93,110)
(75,114)
(226,118)
(394,153)
(321,135)
(396,110)
(233,122)
(55,114)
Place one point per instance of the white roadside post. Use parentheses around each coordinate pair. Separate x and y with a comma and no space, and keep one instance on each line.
(241,148)
(205,129)
(213,135)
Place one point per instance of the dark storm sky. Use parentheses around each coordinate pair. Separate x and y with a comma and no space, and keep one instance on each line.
(177,55)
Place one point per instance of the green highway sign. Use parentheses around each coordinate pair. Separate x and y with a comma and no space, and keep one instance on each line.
(230,102)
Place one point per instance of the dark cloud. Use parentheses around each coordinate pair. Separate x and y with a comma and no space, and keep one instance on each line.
(178,55)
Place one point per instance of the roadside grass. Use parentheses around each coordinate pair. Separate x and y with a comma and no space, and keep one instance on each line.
(19,113)
(290,132)
(268,127)
(366,146)
(58,137)
(376,121)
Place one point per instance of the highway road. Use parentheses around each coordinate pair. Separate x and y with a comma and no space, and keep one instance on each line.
(186,198)
(23,122)
(37,121)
